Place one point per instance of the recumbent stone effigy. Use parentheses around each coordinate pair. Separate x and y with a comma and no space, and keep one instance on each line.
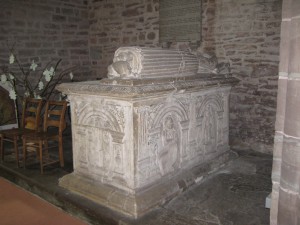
(157,125)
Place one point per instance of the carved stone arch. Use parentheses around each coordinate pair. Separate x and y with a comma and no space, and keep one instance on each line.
(215,100)
(102,142)
(175,109)
(169,129)
(88,115)
(107,120)
(209,118)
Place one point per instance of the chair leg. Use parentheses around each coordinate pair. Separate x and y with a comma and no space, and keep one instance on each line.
(41,156)
(46,149)
(24,152)
(1,148)
(16,149)
(61,153)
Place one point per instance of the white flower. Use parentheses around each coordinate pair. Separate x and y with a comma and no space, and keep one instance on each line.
(3,78)
(52,71)
(11,58)
(41,85)
(12,94)
(47,75)
(11,76)
(46,71)
(33,65)
(38,97)
(71,76)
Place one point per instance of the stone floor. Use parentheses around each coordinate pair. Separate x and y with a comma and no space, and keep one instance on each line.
(233,195)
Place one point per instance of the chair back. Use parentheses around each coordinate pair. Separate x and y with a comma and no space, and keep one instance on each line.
(31,113)
(54,116)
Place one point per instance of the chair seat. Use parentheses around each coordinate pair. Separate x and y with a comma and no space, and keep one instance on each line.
(16,132)
(39,136)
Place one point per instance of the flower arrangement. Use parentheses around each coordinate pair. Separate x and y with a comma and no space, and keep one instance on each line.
(32,82)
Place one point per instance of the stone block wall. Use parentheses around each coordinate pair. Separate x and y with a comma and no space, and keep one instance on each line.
(45,31)
(120,23)
(246,33)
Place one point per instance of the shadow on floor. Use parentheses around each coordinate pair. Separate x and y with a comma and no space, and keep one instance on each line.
(233,195)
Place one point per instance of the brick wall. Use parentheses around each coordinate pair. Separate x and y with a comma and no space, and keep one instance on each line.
(120,23)
(246,33)
(46,30)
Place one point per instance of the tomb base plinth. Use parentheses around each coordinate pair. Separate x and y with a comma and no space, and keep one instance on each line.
(142,201)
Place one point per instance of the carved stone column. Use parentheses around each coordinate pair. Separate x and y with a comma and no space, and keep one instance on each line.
(286,162)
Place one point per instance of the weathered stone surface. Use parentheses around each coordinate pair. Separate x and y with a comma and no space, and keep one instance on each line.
(287,210)
(136,23)
(287,9)
(292,119)
(286,175)
(141,63)
(290,165)
(277,157)
(43,29)
(294,41)
(246,184)
(145,144)
(274,203)
(281,104)
(234,195)
(140,142)
(246,34)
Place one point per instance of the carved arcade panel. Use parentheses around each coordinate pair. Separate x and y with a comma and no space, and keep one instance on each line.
(172,134)
(209,119)
(161,144)
(176,134)
(98,137)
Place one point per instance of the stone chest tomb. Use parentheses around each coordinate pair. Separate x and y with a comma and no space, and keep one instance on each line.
(154,127)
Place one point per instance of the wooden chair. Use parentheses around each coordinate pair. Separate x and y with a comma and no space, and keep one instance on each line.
(53,127)
(30,123)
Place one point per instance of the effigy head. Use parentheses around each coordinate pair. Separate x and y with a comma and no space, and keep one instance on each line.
(126,63)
